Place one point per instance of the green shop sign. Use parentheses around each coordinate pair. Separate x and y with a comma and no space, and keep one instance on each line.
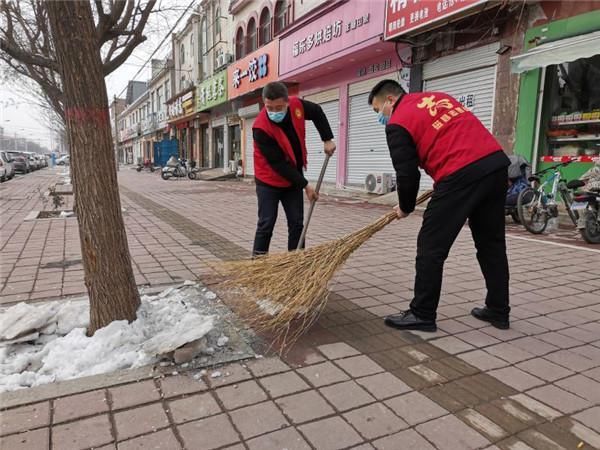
(212,92)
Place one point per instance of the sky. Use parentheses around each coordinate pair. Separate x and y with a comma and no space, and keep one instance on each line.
(19,115)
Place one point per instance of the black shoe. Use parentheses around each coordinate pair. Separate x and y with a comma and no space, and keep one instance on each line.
(495,319)
(408,321)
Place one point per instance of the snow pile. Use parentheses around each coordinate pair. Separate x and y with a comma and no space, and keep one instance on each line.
(43,344)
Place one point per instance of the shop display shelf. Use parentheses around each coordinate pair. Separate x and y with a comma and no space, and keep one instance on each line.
(575,122)
(596,137)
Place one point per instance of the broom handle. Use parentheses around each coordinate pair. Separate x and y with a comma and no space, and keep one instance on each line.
(389,217)
(313,202)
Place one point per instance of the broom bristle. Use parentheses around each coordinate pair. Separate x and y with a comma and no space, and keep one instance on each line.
(286,292)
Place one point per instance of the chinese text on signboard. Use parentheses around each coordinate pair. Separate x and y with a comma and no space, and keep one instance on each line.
(213,91)
(326,34)
(407,15)
(253,71)
(376,67)
(257,68)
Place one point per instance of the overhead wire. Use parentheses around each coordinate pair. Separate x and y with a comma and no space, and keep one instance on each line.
(167,36)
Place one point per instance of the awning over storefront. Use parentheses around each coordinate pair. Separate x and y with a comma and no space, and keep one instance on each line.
(557,52)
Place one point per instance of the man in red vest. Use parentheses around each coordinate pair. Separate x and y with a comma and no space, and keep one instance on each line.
(280,159)
(434,131)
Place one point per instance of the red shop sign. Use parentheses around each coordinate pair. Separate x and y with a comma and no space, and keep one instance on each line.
(403,16)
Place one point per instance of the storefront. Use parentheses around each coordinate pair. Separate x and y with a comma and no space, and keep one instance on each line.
(211,94)
(127,138)
(245,78)
(559,97)
(147,128)
(336,58)
(161,130)
(181,112)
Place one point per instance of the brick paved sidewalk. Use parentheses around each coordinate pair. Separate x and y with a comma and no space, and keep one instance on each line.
(350,382)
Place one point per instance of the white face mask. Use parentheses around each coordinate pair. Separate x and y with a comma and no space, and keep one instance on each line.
(278,116)
(382,118)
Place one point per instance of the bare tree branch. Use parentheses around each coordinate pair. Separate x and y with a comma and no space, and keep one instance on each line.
(8,39)
(135,34)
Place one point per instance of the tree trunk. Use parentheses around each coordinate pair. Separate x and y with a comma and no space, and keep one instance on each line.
(106,261)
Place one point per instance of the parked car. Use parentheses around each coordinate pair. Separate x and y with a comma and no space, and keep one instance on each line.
(2,173)
(41,159)
(33,161)
(8,164)
(63,160)
(20,162)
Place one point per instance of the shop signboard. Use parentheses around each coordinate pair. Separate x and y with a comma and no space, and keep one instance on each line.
(253,71)
(348,28)
(212,92)
(181,106)
(404,16)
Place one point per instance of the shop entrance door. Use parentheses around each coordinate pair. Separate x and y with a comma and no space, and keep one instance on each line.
(235,142)
(205,146)
(219,147)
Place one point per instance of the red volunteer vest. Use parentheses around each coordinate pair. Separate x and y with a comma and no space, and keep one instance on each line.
(262,169)
(447,135)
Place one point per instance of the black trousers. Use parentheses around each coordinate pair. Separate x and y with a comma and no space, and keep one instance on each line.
(482,204)
(268,204)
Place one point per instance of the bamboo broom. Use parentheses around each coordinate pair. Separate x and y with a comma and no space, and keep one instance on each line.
(286,292)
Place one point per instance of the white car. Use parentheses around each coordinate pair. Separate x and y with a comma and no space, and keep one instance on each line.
(8,165)
(3,176)
(63,160)
(33,161)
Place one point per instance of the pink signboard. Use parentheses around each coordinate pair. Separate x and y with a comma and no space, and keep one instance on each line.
(348,28)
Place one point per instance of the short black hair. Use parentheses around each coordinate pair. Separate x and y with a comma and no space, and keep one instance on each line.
(386,87)
(275,90)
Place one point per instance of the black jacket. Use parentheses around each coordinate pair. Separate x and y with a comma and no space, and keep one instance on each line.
(274,154)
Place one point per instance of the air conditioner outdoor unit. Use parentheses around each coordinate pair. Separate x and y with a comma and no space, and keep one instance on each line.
(223,59)
(380,183)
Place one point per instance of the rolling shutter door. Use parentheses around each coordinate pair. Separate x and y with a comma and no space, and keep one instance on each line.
(249,147)
(314,144)
(476,86)
(367,145)
(469,76)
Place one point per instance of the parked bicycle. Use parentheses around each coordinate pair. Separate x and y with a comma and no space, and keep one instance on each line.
(536,207)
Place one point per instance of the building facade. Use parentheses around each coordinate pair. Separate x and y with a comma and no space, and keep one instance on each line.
(116,108)
(256,31)
(491,55)
(218,121)
(181,110)
(159,90)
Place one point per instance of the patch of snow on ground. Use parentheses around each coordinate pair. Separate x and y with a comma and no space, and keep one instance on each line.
(62,350)
(269,307)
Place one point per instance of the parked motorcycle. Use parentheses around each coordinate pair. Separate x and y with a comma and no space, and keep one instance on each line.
(147,165)
(178,170)
(587,204)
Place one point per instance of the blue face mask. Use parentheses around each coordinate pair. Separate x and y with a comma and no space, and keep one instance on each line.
(277,117)
(382,118)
